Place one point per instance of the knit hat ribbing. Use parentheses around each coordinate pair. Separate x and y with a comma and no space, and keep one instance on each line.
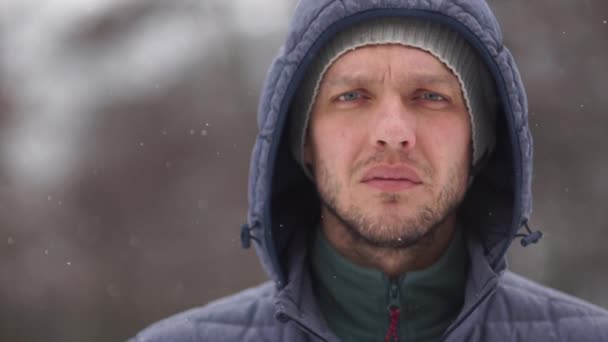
(446,45)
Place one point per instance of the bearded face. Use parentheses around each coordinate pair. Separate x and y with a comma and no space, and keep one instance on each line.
(389,144)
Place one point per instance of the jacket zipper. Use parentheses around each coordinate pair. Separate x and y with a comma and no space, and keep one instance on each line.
(394,312)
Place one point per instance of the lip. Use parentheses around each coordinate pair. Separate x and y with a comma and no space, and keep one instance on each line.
(391,178)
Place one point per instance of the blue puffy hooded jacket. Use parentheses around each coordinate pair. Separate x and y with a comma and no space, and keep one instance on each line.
(283,205)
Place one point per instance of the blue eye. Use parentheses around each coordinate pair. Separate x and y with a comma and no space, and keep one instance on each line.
(350,96)
(432,96)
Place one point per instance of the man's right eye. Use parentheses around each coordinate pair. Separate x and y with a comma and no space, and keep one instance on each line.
(350,96)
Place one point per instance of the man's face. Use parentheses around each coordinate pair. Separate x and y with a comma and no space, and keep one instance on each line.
(389,143)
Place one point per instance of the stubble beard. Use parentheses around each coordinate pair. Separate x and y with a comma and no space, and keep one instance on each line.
(417,226)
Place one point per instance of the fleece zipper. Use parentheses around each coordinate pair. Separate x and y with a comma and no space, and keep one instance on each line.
(394,312)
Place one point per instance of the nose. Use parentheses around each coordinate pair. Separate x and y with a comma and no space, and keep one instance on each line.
(394,127)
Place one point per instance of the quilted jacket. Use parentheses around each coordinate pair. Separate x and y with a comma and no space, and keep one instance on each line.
(283,206)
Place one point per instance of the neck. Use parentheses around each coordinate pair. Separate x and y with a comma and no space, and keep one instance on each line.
(392,261)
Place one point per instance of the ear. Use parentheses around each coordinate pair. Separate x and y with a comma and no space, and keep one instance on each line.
(308,161)
(307,152)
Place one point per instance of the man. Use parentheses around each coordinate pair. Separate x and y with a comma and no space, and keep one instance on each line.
(391,172)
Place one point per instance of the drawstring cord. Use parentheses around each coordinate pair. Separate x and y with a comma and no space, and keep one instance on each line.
(530,236)
(246,236)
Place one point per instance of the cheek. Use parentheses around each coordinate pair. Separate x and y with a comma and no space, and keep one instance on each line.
(448,141)
(334,145)
(462,136)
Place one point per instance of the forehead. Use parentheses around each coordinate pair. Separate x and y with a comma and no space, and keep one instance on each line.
(402,63)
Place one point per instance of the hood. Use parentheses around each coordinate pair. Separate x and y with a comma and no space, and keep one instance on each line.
(282,201)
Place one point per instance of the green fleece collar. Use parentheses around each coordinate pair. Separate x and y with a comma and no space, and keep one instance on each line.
(355,300)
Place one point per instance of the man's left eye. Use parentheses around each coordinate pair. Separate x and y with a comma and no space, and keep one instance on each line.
(427,95)
(350,96)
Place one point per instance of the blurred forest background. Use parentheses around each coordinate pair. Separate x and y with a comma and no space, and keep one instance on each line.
(125,135)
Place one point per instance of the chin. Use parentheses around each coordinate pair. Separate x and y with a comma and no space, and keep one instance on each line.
(389,224)
(388,235)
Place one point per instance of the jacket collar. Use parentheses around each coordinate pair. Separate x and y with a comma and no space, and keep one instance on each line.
(481,280)
(297,302)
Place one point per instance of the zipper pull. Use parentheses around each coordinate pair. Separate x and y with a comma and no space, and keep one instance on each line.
(394,310)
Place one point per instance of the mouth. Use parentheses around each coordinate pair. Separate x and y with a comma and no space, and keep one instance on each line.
(391,178)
